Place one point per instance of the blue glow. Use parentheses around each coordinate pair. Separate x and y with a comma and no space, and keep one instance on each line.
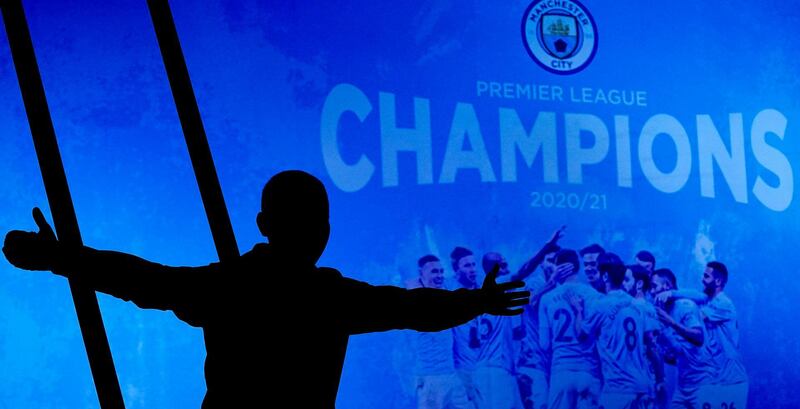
(262,74)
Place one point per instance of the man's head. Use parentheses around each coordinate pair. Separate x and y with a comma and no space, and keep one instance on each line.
(493,258)
(637,280)
(663,279)
(431,273)
(589,254)
(294,215)
(463,262)
(568,256)
(646,259)
(715,277)
(612,270)
(549,262)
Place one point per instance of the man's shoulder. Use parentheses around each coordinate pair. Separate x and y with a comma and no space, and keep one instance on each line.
(583,290)
(578,285)
(258,255)
(561,292)
(534,282)
(644,305)
(606,302)
(722,301)
(685,303)
(329,272)
(684,307)
(549,296)
(262,255)
(606,305)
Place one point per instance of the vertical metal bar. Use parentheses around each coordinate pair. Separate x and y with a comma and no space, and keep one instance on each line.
(58,196)
(193,131)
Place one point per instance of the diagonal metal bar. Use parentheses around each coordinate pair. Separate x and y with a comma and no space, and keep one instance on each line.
(193,131)
(60,200)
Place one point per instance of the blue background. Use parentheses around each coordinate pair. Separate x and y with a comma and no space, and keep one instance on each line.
(262,72)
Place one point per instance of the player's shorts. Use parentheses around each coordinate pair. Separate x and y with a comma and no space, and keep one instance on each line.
(692,397)
(623,400)
(533,387)
(442,392)
(728,396)
(572,389)
(497,387)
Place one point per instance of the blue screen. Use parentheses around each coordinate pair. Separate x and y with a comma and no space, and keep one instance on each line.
(660,126)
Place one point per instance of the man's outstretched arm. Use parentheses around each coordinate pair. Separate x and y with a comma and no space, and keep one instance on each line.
(531,265)
(125,276)
(697,296)
(693,332)
(367,308)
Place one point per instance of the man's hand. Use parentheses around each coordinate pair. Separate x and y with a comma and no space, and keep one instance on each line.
(562,272)
(552,244)
(662,297)
(29,250)
(665,317)
(497,301)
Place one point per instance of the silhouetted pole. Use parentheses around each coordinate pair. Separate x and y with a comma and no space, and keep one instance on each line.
(193,131)
(58,196)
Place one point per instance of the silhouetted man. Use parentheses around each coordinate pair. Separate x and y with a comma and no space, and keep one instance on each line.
(276,326)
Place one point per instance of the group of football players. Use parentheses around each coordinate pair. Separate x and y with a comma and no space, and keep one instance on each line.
(598,333)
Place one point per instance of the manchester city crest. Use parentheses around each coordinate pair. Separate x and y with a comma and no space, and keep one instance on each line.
(560,35)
